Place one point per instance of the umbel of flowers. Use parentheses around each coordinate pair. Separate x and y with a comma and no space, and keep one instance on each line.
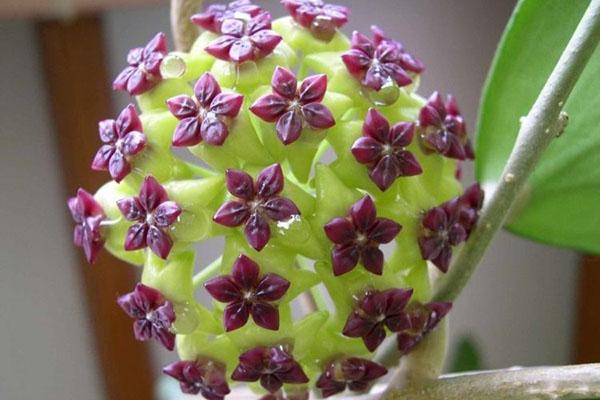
(260,103)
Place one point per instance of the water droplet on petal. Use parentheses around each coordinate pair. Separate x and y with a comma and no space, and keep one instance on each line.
(172,67)
(323,28)
(386,96)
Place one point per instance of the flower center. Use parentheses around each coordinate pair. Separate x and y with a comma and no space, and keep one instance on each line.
(387,150)
(150,219)
(362,239)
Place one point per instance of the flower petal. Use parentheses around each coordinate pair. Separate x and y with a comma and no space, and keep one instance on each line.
(265,315)
(128,121)
(270,107)
(372,260)
(363,213)
(107,131)
(257,232)
(385,172)
(132,209)
(376,126)
(284,83)
(213,131)
(227,104)
(401,134)
(357,62)
(265,41)
(220,47)
(245,272)
(133,143)
(340,231)
(239,184)
(152,193)
(271,383)
(241,51)
(344,259)
(318,116)
(159,242)
(232,214)
(187,133)
(120,82)
(384,230)
(280,209)
(157,44)
(374,338)
(118,166)
(442,261)
(363,43)
(313,89)
(236,315)
(356,325)
(398,74)
(102,157)
(206,89)
(366,150)
(223,289)
(408,164)
(182,106)
(270,181)
(136,237)
(271,287)
(289,127)
(166,214)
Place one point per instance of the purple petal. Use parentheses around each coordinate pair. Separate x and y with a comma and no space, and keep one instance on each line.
(107,131)
(318,116)
(157,44)
(241,51)
(270,107)
(182,107)
(280,208)
(374,338)
(363,213)
(227,104)
(187,133)
(407,342)
(357,326)
(357,62)
(142,330)
(270,181)
(232,214)
(401,134)
(313,89)
(233,27)
(257,232)
(133,143)
(118,166)
(102,157)
(376,126)
(385,172)
(223,289)
(136,237)
(138,83)
(128,121)
(271,382)
(271,287)
(159,242)
(340,231)
(265,315)
(384,230)
(213,131)
(266,41)
(245,272)
(284,83)
(398,74)
(372,259)
(206,89)
(344,259)
(78,235)
(457,234)
(362,42)
(132,209)
(235,315)
(289,127)
(120,82)
(152,193)
(442,261)
(396,300)
(165,337)
(239,184)
(430,247)
(408,164)
(366,150)
(220,47)
(166,214)
(294,375)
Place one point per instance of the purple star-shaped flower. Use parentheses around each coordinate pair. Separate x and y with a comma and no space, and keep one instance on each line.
(422,319)
(356,374)
(448,225)
(212,18)
(205,117)
(375,311)
(358,237)
(322,19)
(245,39)
(247,293)
(293,108)
(273,366)
(375,64)
(88,215)
(152,313)
(153,213)
(256,204)
(383,150)
(206,377)
(123,139)
(442,129)
(405,59)
(143,72)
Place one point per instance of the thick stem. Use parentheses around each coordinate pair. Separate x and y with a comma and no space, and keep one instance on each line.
(208,272)
(540,383)
(184,32)
(544,122)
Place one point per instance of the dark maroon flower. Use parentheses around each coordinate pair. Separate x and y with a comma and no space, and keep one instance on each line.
(375,64)
(245,39)
(383,149)
(143,72)
(247,294)
(205,117)
(88,215)
(152,313)
(422,320)
(292,107)
(301,394)
(215,14)
(123,139)
(273,366)
(358,237)
(405,59)
(442,129)
(322,19)
(375,311)
(256,204)
(154,213)
(206,377)
(448,225)
(356,374)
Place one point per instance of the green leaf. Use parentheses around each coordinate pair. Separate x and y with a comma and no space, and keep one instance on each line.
(560,202)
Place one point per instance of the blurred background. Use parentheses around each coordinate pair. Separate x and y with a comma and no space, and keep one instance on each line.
(61,333)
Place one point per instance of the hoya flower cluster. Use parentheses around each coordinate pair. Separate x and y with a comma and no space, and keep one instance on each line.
(261,104)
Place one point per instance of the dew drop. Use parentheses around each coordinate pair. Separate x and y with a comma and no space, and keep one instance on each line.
(172,67)
(386,96)
(323,28)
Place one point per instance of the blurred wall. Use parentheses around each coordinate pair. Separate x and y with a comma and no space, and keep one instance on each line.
(520,306)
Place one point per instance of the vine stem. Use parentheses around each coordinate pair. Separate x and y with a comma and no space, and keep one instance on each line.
(544,123)
(184,32)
